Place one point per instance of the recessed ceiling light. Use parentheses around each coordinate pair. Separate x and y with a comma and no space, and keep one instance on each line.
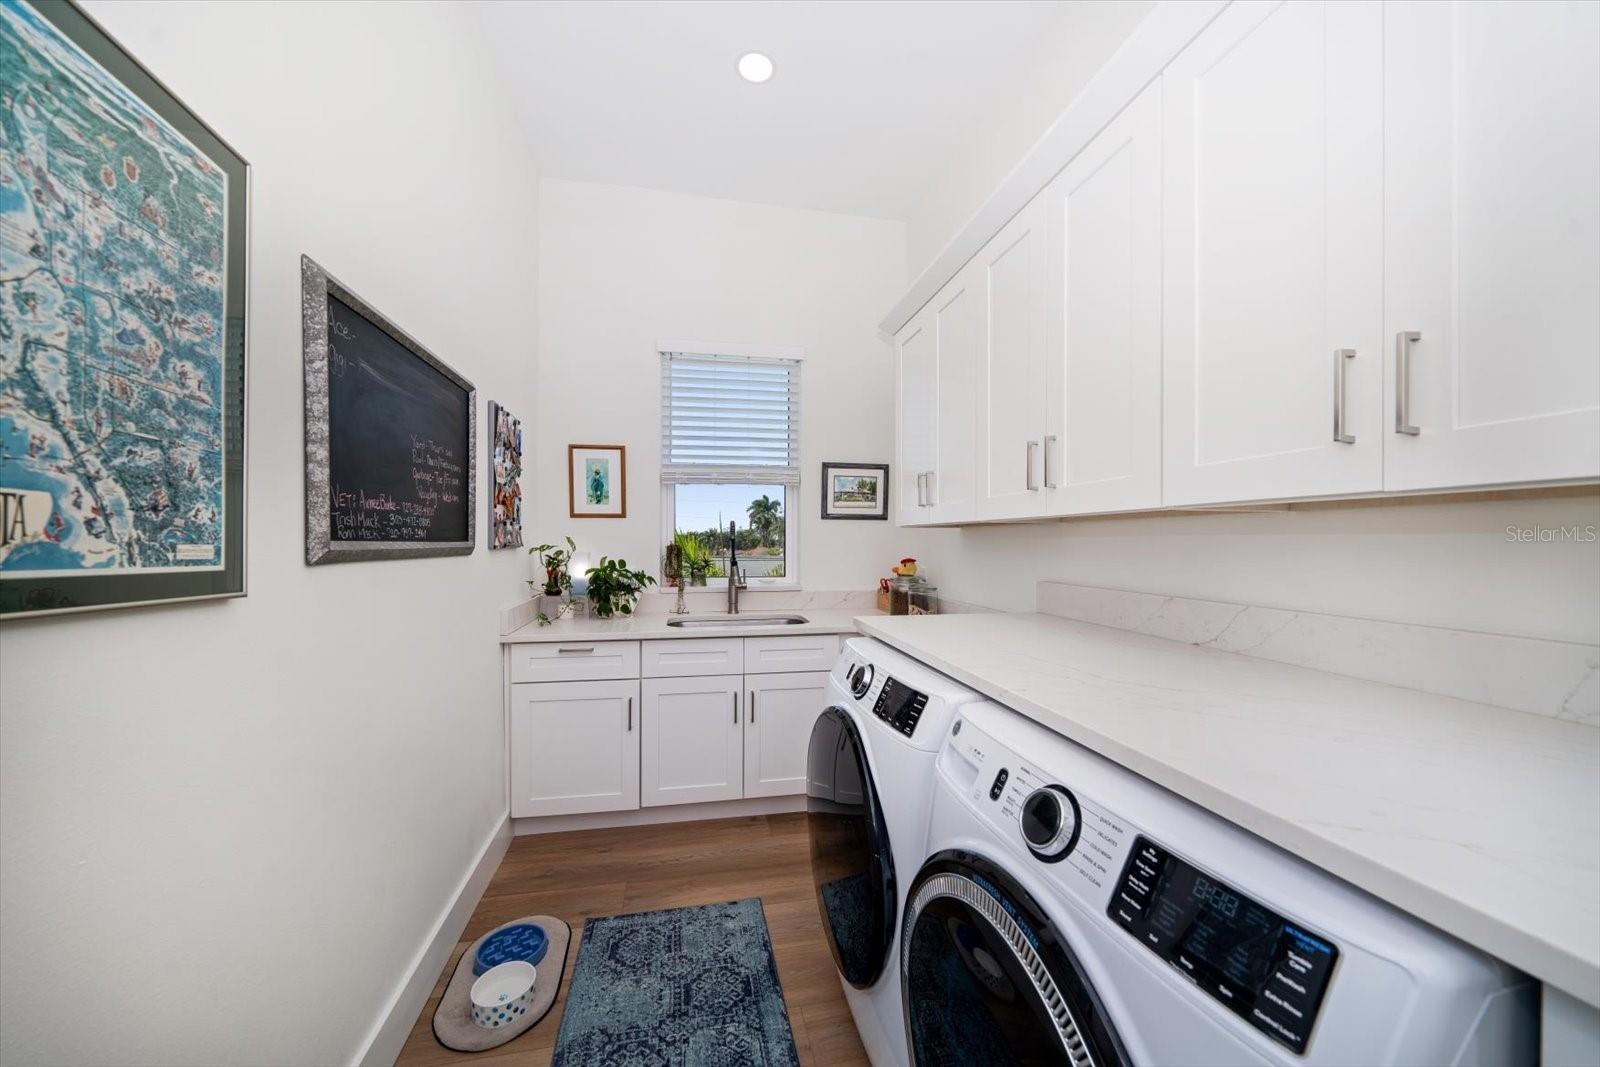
(755,67)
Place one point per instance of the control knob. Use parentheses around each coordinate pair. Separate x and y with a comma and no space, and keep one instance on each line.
(1050,822)
(861,680)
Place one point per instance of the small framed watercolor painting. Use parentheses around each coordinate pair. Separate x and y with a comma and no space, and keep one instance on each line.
(597,481)
(855,490)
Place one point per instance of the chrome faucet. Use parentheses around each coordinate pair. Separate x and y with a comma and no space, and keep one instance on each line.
(735,579)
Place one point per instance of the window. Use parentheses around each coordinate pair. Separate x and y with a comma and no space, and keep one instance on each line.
(730,452)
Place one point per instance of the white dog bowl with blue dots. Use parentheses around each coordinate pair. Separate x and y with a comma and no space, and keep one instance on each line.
(503,994)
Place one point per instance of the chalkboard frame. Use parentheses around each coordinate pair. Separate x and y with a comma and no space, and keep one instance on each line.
(316,286)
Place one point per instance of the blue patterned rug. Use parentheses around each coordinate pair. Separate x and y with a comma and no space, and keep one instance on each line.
(684,986)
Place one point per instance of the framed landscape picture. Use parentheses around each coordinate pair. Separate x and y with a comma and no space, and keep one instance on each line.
(597,481)
(505,468)
(855,490)
(123,257)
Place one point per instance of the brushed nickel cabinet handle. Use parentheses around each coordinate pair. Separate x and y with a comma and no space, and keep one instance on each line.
(574,651)
(1049,440)
(630,715)
(922,500)
(1402,382)
(735,697)
(1029,483)
(752,705)
(1341,356)
(932,496)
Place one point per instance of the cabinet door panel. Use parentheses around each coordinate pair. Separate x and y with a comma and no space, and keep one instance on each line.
(916,377)
(1011,420)
(574,747)
(958,337)
(1104,357)
(777,737)
(1492,155)
(692,740)
(1273,249)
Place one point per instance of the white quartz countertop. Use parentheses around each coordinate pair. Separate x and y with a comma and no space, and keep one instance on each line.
(1482,821)
(653,626)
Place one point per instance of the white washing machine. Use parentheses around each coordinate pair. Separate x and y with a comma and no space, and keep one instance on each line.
(1072,912)
(869,780)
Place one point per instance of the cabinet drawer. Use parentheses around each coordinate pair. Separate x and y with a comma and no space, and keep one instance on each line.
(682,658)
(574,661)
(780,655)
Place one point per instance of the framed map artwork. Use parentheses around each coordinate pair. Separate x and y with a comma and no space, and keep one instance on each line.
(122,329)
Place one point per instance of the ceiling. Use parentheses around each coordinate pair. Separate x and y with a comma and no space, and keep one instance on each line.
(868,99)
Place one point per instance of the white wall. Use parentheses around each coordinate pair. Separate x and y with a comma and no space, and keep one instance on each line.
(1082,37)
(623,268)
(1425,561)
(227,828)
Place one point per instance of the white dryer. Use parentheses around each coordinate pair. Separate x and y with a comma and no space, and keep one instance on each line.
(1071,912)
(869,779)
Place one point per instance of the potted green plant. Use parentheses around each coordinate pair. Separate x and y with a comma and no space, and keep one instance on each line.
(614,589)
(551,593)
(555,560)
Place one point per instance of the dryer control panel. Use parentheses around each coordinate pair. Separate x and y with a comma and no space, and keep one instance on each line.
(1261,966)
(1083,840)
(900,706)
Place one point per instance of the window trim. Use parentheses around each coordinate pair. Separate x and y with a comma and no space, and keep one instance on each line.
(791,505)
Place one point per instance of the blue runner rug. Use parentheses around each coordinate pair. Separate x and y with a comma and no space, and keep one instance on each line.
(684,986)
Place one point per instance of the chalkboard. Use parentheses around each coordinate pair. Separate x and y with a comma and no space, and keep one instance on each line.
(395,476)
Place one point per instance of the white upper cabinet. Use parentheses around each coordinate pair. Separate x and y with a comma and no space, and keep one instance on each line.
(1273,255)
(1103,365)
(959,314)
(1492,158)
(916,415)
(1011,417)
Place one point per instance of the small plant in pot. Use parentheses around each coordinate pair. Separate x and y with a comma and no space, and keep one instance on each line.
(555,560)
(614,589)
(552,591)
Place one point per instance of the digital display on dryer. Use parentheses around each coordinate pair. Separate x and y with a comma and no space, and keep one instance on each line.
(1263,967)
(900,706)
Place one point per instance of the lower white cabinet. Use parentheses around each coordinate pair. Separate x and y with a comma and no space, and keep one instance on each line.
(692,737)
(780,710)
(574,747)
(590,745)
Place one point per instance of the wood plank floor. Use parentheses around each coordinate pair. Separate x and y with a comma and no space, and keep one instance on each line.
(638,868)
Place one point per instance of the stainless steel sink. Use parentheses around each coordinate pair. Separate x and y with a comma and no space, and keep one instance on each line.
(691,622)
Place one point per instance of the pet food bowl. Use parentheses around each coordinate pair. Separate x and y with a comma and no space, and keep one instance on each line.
(502,994)
(524,941)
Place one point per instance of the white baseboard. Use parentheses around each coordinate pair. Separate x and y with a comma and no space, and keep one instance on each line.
(394,1024)
(717,809)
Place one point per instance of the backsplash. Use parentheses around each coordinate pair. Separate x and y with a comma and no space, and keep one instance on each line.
(1557,679)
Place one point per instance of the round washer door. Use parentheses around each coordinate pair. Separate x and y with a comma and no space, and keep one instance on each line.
(850,858)
(988,979)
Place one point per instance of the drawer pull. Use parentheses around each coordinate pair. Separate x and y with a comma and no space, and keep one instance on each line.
(565,651)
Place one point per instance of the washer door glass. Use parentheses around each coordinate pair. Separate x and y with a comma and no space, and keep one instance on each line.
(988,979)
(850,858)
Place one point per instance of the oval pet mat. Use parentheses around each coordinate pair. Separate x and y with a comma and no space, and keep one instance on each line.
(452,1023)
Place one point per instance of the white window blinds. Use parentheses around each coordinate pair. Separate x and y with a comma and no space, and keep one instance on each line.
(729,419)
